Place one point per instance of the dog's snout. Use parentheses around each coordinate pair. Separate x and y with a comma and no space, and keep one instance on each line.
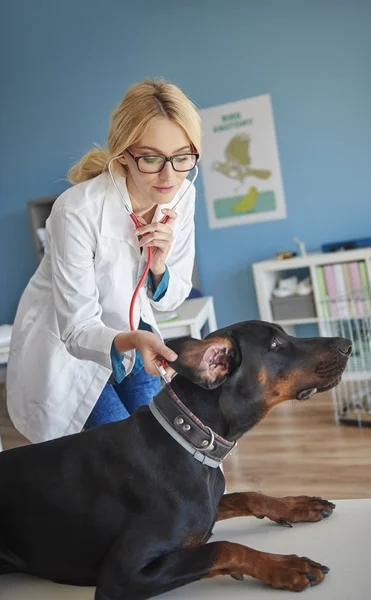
(344,346)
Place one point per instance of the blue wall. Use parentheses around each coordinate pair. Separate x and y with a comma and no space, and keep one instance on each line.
(66,64)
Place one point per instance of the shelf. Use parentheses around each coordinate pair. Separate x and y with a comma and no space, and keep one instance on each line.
(267,273)
(297,321)
(356,376)
(324,320)
(313,259)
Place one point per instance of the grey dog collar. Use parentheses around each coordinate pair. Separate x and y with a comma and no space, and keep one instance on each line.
(200,441)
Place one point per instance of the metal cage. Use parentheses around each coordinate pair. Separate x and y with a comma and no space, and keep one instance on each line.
(350,317)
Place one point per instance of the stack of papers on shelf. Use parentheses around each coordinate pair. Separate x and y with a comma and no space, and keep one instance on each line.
(165,317)
(41,235)
(5,336)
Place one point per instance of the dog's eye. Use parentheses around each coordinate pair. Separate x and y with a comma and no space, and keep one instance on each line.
(275,343)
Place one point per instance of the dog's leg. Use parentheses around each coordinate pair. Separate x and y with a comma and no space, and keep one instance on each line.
(291,509)
(168,572)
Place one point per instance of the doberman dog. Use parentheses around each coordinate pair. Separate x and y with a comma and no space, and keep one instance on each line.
(129,506)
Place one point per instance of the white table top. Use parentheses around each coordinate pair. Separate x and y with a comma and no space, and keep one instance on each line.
(187,311)
(342,542)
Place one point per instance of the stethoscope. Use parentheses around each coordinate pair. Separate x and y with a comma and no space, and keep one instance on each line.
(138,224)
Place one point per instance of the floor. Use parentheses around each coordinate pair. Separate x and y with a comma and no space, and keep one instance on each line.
(297,449)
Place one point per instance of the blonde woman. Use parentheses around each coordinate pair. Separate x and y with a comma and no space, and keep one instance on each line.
(74,363)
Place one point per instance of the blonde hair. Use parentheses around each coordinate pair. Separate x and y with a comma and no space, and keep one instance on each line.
(144,103)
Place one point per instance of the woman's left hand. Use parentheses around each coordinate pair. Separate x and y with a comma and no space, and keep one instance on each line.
(160,237)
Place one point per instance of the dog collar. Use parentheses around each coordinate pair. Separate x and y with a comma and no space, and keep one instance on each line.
(203,443)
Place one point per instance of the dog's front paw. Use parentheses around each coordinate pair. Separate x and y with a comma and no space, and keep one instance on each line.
(291,572)
(282,571)
(296,509)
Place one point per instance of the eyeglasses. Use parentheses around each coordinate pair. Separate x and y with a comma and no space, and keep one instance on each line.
(154,164)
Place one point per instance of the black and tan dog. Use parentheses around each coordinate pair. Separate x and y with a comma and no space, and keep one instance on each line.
(128,508)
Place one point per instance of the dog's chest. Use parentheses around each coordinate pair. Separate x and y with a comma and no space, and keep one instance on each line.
(197,522)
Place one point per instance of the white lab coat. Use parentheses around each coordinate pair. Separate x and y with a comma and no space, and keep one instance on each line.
(78,301)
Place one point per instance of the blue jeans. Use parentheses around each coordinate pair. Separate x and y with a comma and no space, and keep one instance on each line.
(119,401)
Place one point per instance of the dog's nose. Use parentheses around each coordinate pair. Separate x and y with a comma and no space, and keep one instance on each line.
(344,346)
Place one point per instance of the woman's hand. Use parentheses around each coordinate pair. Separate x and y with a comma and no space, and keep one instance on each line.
(150,347)
(160,237)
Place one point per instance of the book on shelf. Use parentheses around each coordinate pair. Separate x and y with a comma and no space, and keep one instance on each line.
(347,281)
(355,280)
(331,290)
(365,286)
(321,283)
(342,300)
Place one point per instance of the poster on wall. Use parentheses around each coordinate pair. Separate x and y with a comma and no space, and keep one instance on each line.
(240,163)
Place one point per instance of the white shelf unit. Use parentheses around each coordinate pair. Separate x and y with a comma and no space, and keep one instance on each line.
(267,273)
(352,400)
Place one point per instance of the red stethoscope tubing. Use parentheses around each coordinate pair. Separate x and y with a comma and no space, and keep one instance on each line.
(138,224)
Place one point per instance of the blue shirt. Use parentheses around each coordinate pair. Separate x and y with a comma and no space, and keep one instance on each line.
(118,368)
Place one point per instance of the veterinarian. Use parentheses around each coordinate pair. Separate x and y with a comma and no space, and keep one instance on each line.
(74,363)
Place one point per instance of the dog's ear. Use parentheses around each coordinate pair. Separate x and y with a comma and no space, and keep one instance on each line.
(205,362)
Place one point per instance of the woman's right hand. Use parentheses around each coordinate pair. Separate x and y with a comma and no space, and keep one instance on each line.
(151,348)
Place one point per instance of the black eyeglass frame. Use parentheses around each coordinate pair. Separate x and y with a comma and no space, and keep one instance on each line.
(165,159)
